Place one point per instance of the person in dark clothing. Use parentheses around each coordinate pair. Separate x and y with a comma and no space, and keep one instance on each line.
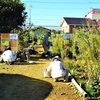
(46,44)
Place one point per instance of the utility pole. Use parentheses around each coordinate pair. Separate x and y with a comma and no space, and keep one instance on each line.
(30,24)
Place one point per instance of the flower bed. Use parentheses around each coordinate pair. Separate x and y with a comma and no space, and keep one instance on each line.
(80,80)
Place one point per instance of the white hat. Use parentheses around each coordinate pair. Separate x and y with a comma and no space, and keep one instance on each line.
(56,57)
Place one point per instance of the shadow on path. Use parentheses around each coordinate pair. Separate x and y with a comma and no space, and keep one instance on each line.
(19,87)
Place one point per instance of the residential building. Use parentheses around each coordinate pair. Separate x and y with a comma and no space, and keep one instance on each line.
(69,23)
(93,14)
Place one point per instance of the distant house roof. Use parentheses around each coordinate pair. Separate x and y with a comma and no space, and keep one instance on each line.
(74,21)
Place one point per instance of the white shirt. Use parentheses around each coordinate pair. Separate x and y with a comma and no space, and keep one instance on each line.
(8,55)
(57,69)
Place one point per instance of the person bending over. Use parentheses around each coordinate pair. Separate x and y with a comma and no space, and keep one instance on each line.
(8,56)
(57,70)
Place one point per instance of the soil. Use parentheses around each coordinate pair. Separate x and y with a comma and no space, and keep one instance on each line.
(24,81)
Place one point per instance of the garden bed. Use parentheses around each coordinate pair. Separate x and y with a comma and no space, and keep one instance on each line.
(79,78)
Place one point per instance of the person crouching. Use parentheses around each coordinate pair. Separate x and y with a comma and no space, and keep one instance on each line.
(57,69)
(8,56)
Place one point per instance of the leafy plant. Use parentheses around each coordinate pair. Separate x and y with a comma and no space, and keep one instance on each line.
(87,38)
(59,45)
(12,14)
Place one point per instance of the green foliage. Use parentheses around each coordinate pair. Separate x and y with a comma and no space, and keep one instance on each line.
(94,88)
(88,39)
(39,33)
(69,64)
(59,44)
(24,36)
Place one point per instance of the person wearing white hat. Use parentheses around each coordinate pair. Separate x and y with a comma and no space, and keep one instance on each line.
(57,69)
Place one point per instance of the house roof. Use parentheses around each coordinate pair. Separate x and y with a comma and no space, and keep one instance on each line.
(74,21)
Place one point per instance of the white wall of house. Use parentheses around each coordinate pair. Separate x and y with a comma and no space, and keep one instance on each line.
(65,27)
(96,16)
(93,15)
(89,15)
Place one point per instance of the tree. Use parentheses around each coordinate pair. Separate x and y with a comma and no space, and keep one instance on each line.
(12,15)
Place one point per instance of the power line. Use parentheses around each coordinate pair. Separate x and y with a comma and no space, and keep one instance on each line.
(48,25)
(46,19)
(62,2)
(55,8)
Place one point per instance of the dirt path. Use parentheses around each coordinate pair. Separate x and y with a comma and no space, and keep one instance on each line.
(26,82)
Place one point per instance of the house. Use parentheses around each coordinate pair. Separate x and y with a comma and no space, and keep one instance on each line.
(93,14)
(69,23)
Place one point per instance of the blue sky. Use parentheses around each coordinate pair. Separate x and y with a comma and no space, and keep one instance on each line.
(51,12)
